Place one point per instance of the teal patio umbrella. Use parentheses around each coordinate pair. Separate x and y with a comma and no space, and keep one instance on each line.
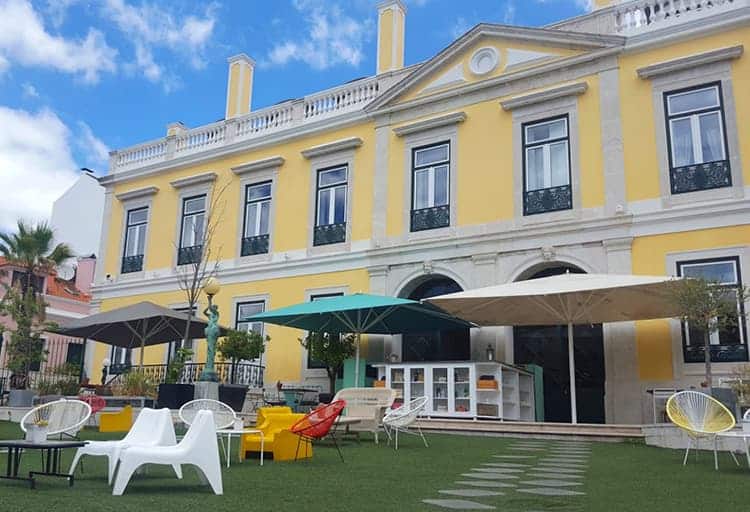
(361,313)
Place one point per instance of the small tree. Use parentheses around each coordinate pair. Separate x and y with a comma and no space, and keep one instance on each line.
(192,277)
(706,307)
(242,346)
(26,347)
(176,365)
(331,350)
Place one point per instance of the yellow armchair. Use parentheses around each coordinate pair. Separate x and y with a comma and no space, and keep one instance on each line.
(120,421)
(264,412)
(277,439)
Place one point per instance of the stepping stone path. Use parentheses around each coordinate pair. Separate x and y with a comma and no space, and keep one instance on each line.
(549,469)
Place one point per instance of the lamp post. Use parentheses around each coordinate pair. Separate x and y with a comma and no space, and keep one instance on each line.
(105,370)
(211,288)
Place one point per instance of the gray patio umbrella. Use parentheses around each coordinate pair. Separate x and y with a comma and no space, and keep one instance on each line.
(566,299)
(136,326)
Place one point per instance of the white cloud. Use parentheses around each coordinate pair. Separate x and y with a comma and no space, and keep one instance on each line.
(36,164)
(24,40)
(332,38)
(92,146)
(509,12)
(150,26)
(29,91)
(460,27)
(58,10)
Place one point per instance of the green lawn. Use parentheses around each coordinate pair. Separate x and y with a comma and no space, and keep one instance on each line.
(620,477)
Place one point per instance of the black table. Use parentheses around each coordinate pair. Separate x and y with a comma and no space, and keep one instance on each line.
(50,468)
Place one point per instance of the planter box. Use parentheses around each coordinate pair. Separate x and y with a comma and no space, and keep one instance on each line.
(233,395)
(21,397)
(174,396)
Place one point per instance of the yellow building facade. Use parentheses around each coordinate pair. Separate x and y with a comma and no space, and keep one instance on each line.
(613,142)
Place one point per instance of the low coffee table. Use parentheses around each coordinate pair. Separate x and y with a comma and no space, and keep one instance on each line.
(52,465)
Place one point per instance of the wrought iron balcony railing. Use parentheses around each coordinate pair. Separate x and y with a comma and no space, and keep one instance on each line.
(547,200)
(329,234)
(132,264)
(735,353)
(431,218)
(188,255)
(248,374)
(254,245)
(692,178)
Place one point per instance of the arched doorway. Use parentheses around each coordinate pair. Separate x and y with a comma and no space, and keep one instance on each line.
(450,345)
(547,346)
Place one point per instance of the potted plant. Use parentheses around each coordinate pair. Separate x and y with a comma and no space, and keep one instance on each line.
(37,431)
(172,394)
(137,384)
(331,351)
(239,346)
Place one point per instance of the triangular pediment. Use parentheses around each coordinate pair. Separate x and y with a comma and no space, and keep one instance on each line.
(487,52)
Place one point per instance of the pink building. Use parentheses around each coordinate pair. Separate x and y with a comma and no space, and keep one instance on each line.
(66,299)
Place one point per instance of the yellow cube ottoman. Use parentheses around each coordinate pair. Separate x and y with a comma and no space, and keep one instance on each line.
(120,421)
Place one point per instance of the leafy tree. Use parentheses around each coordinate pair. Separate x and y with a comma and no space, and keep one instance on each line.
(331,350)
(30,248)
(242,345)
(706,307)
(176,365)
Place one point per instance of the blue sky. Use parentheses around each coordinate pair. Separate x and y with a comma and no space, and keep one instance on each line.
(78,78)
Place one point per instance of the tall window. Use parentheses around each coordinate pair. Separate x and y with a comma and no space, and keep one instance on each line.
(191,231)
(697,142)
(311,363)
(120,360)
(730,343)
(135,240)
(546,152)
(246,310)
(257,215)
(330,214)
(430,206)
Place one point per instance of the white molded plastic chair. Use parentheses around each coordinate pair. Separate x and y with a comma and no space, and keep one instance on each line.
(153,427)
(701,417)
(223,415)
(401,419)
(62,416)
(199,448)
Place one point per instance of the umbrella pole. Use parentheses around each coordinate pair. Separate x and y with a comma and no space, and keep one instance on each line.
(356,361)
(572,370)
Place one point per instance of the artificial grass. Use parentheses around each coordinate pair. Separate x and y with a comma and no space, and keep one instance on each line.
(621,477)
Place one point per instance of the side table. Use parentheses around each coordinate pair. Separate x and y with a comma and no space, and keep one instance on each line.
(227,434)
(51,467)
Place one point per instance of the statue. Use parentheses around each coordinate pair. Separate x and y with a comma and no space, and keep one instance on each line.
(212,335)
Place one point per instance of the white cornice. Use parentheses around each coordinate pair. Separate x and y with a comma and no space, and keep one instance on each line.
(539,97)
(428,124)
(389,4)
(198,179)
(137,193)
(258,165)
(332,147)
(691,61)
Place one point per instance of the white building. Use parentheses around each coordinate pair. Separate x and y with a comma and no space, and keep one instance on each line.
(77,215)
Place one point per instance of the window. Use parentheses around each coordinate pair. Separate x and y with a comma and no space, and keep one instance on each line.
(191,230)
(257,215)
(120,360)
(135,240)
(246,310)
(546,154)
(311,363)
(179,342)
(728,344)
(697,142)
(20,278)
(330,211)
(430,207)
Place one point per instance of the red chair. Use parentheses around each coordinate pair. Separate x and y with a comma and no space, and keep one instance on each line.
(318,424)
(96,403)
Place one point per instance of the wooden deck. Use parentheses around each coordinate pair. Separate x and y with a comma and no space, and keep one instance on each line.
(594,432)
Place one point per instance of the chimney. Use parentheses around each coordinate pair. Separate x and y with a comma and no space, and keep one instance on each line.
(85,273)
(239,85)
(391,21)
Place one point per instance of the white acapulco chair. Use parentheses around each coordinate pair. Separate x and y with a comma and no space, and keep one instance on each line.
(401,420)
(701,417)
(153,427)
(223,415)
(63,417)
(198,448)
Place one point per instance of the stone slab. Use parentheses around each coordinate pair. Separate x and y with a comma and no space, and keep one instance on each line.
(459,504)
(551,483)
(490,476)
(515,456)
(558,469)
(551,491)
(498,470)
(486,484)
(507,464)
(471,493)
(540,473)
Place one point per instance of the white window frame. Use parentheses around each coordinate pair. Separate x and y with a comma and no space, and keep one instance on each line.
(546,144)
(694,116)
(142,230)
(331,190)
(184,217)
(430,170)
(257,203)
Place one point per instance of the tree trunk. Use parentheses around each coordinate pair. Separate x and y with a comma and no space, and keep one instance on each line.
(707,348)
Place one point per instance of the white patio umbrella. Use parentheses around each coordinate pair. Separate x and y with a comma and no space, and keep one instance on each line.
(565,299)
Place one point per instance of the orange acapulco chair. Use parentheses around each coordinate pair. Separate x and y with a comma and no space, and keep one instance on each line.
(318,424)
(701,417)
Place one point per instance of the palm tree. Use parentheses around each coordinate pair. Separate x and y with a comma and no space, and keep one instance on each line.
(31,248)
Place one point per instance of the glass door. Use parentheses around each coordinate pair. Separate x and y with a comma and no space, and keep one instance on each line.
(416,383)
(440,391)
(398,384)
(461,390)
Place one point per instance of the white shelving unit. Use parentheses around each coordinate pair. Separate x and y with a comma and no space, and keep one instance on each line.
(453,390)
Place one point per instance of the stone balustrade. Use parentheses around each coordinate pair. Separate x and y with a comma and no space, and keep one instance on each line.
(329,104)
